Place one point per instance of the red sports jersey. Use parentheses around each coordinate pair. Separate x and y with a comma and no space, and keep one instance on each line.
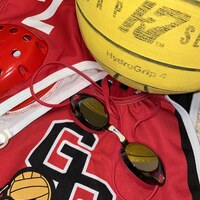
(49,156)
(79,164)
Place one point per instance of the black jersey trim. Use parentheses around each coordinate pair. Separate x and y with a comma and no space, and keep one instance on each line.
(193,181)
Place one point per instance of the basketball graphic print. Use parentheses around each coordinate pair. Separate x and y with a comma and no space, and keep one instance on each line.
(150,45)
(29,185)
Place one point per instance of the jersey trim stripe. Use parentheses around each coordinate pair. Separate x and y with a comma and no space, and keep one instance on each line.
(190,147)
(193,181)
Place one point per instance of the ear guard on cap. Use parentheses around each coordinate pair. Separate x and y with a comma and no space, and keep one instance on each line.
(22,53)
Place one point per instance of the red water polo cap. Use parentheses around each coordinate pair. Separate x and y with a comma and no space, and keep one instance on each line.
(21,53)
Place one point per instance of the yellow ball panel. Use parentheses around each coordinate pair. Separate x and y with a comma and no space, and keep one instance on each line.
(145,44)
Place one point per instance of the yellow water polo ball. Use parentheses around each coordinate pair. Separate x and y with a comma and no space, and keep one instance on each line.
(30,185)
(150,45)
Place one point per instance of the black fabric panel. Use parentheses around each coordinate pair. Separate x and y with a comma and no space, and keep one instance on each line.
(184,100)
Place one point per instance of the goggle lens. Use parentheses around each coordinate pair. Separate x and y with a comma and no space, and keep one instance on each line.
(142,157)
(94,112)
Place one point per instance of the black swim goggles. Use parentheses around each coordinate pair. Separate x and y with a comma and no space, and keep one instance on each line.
(142,161)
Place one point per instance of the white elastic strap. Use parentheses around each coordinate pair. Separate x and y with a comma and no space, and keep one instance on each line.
(195,113)
(49,80)
(25,116)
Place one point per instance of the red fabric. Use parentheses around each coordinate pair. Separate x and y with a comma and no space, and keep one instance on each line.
(159,131)
(80,164)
